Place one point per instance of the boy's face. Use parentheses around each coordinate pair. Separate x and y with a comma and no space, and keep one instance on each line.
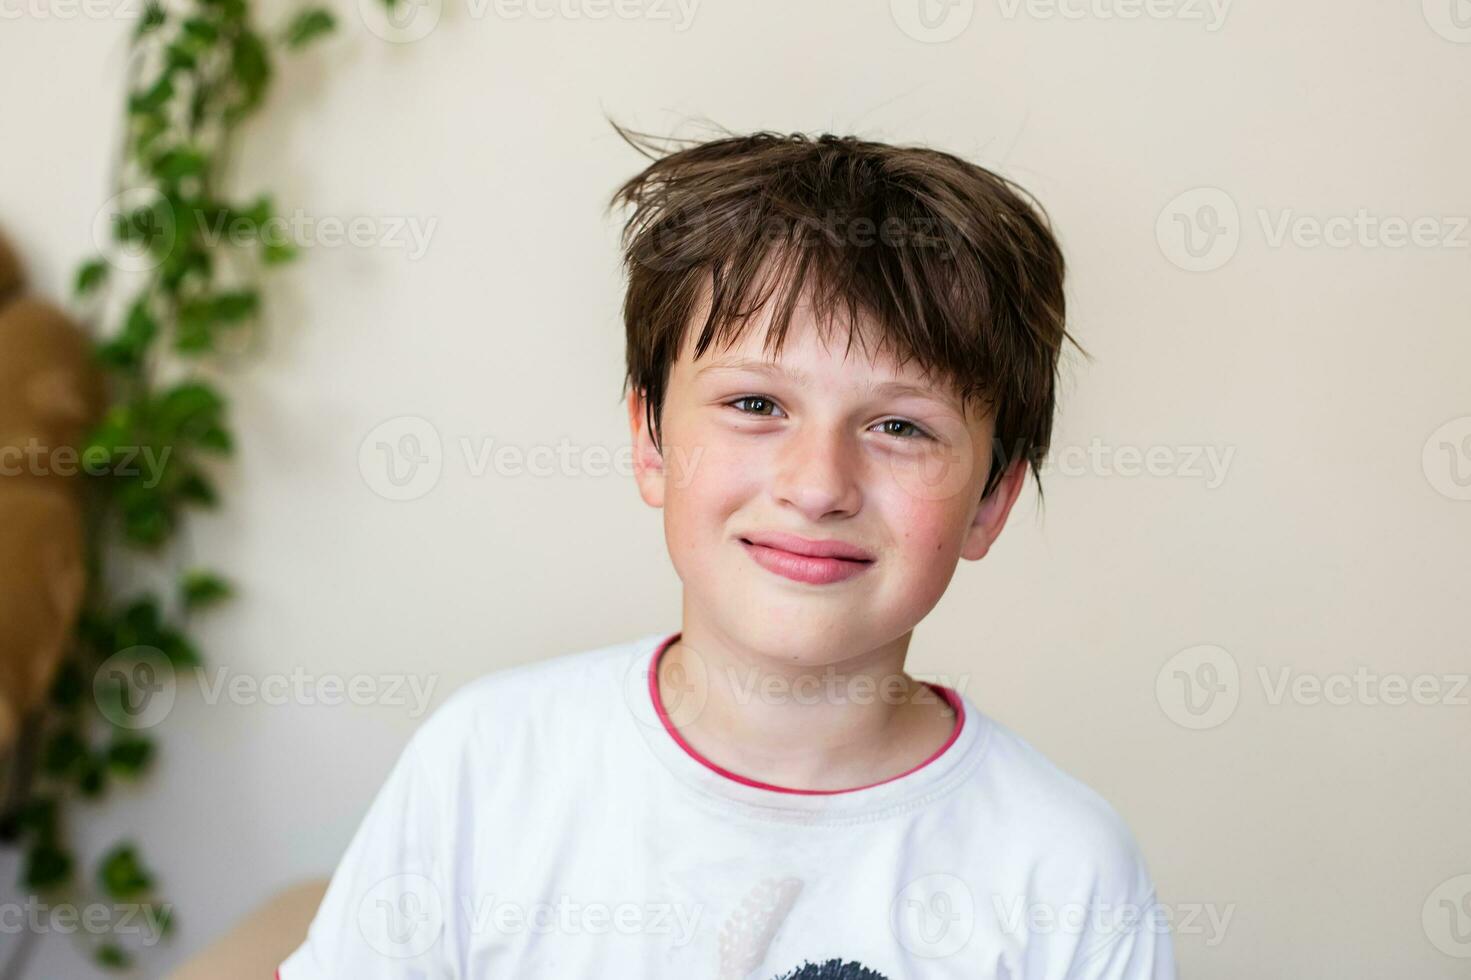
(831,447)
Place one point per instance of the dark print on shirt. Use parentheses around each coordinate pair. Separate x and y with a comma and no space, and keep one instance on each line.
(832,970)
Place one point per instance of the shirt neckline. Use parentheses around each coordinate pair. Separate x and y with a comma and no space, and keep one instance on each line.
(934,776)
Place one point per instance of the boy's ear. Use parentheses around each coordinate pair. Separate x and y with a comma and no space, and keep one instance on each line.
(648,464)
(992,512)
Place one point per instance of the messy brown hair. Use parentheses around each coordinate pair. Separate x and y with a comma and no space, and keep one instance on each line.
(956,264)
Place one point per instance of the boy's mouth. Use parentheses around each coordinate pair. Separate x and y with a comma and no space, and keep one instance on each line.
(806,560)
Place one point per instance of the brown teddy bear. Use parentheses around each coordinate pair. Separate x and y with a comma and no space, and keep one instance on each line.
(50,394)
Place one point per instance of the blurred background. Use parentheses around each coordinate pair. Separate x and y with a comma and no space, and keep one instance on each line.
(1241,616)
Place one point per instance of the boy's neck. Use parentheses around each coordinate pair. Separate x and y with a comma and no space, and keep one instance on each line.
(848,724)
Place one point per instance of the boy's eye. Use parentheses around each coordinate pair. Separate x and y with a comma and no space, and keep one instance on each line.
(904,429)
(754,400)
(761,405)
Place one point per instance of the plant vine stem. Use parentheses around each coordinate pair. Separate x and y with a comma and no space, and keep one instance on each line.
(19,774)
(21,769)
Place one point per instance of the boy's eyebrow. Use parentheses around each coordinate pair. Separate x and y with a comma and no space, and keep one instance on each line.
(801,378)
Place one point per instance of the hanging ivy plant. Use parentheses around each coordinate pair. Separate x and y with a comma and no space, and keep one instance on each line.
(156,298)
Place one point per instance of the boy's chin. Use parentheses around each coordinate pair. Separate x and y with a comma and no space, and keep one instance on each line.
(802,636)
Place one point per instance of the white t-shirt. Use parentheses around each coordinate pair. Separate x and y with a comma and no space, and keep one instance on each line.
(547,822)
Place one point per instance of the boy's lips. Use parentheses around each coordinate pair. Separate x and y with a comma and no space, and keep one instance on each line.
(817,562)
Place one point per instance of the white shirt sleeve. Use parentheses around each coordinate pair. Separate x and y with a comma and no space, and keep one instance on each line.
(384,911)
(1126,936)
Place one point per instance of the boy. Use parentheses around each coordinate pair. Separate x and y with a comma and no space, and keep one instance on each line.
(841,357)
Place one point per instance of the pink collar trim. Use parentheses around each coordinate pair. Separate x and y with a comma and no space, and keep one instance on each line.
(950,696)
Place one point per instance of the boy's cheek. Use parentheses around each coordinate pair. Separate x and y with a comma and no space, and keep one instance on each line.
(706,464)
(928,531)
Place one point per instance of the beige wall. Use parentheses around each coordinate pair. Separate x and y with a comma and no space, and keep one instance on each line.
(1329,535)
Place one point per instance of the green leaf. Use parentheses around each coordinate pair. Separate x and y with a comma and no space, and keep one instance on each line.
(92,776)
(188,412)
(153,17)
(111,956)
(47,865)
(148,127)
(193,337)
(179,56)
(140,624)
(147,517)
(216,440)
(96,630)
(153,98)
(64,752)
(91,275)
(126,350)
(308,26)
(122,875)
(181,653)
(108,439)
(198,490)
(177,163)
(199,29)
(68,686)
(278,253)
(129,755)
(190,259)
(203,589)
(38,818)
(232,307)
(250,66)
(199,316)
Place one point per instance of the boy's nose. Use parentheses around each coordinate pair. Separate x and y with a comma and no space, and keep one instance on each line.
(818,474)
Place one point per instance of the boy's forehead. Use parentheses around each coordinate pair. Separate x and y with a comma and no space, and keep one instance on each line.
(808,340)
(809,351)
(841,336)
